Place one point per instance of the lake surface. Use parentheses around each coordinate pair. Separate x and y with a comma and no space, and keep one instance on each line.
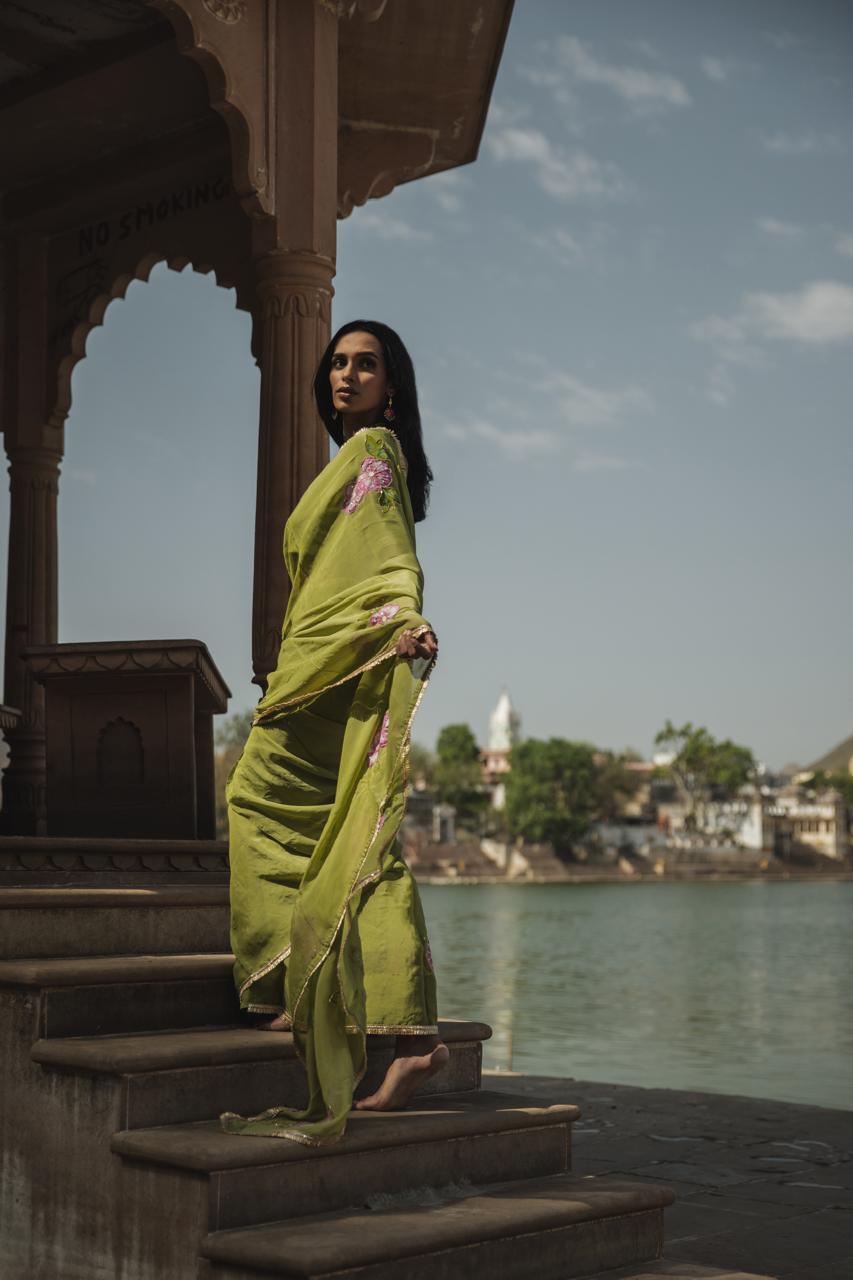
(734,988)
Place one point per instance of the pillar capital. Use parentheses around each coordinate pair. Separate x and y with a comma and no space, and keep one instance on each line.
(299,281)
(34,462)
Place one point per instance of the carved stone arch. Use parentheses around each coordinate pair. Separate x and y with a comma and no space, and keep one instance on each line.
(227,40)
(117,289)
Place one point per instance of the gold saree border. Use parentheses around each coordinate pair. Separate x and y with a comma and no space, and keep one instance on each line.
(357,883)
(292,1134)
(265,969)
(265,714)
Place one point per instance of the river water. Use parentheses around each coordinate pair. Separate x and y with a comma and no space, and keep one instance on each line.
(740,988)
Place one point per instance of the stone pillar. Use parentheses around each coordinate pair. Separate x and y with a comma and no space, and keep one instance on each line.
(31,618)
(294,297)
(294,253)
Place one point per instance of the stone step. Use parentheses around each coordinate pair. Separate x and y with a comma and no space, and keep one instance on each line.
(195,1179)
(551,1228)
(100,995)
(664,1270)
(84,922)
(175,1076)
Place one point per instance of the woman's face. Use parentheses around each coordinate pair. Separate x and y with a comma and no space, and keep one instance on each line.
(358,379)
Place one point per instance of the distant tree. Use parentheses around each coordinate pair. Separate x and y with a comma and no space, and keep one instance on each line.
(700,763)
(459,774)
(422,764)
(229,738)
(552,791)
(731,766)
(616,783)
(234,729)
(841,782)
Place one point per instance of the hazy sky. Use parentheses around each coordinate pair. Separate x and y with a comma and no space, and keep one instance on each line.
(632,323)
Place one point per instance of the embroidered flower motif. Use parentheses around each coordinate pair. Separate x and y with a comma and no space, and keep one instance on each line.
(384,614)
(374,476)
(380,739)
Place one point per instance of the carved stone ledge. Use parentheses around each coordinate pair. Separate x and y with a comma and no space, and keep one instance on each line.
(74,862)
(165,657)
(374,158)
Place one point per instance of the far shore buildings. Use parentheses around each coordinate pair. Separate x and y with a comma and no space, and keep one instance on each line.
(775,818)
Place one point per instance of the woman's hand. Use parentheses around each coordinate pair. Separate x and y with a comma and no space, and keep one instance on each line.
(422,646)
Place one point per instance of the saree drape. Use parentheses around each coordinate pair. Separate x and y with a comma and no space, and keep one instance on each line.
(326,919)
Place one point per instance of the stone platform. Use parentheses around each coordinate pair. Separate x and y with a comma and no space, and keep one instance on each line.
(761,1186)
(122,1044)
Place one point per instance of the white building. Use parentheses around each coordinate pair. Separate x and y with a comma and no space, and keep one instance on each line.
(504,733)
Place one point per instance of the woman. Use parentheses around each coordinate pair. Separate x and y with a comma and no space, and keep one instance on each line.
(326,921)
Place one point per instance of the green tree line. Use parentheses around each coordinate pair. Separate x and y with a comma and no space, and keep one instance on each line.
(555,788)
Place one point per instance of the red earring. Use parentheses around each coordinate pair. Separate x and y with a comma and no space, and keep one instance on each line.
(389,415)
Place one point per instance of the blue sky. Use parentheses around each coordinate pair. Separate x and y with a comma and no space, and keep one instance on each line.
(632,322)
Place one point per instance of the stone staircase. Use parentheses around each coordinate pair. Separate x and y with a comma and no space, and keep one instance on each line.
(122,1044)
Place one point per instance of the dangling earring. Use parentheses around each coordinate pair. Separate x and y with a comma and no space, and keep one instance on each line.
(389,415)
(334,414)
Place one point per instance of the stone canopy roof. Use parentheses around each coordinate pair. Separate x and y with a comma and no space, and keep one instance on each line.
(83,82)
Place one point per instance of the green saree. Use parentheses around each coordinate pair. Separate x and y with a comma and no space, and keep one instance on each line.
(326,920)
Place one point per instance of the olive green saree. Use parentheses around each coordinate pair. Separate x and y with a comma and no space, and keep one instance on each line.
(326,921)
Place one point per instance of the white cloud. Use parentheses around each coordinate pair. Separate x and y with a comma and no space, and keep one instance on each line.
(503,114)
(818,315)
(782,39)
(647,49)
(82,475)
(514,443)
(582,405)
(387,227)
(778,229)
(586,462)
(562,174)
(844,244)
(642,89)
(445,188)
(721,387)
(561,245)
(801,144)
(716,69)
(542,77)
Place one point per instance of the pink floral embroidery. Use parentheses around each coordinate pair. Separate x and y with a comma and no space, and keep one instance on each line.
(380,822)
(380,739)
(374,474)
(383,614)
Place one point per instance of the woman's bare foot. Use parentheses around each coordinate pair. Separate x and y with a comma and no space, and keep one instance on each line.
(279,1023)
(416,1058)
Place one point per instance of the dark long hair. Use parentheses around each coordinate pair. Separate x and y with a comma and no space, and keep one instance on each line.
(407,423)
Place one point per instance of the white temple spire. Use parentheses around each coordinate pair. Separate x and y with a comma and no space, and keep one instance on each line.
(504,724)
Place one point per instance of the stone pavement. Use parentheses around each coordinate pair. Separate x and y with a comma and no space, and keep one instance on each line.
(761,1186)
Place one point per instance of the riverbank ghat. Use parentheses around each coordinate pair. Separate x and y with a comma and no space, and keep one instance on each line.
(122,1044)
(761,1186)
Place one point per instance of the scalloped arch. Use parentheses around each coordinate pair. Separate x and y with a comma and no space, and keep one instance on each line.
(118,290)
(248,173)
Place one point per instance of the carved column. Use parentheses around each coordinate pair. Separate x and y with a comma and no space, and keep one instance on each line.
(294,296)
(294,253)
(31,618)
